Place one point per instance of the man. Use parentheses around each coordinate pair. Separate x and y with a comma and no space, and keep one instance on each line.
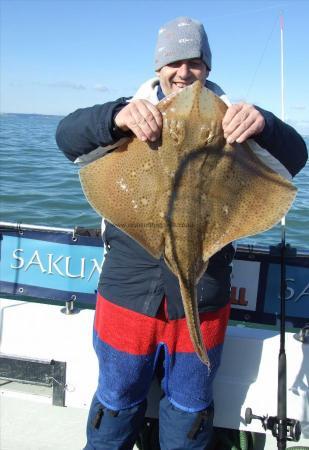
(139,315)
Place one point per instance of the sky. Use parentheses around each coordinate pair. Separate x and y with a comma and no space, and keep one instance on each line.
(60,55)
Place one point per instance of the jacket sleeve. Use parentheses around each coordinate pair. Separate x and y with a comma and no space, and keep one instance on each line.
(88,128)
(282,142)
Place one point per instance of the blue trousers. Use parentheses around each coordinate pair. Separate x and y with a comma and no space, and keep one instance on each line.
(118,430)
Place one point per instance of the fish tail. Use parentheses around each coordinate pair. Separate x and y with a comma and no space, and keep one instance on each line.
(189,298)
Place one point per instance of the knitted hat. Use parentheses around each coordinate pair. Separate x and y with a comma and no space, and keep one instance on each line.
(182,38)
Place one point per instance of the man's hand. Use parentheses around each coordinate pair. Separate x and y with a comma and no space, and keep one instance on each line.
(242,121)
(142,118)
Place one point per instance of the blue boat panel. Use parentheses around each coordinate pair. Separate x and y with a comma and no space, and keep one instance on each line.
(31,265)
(297,291)
(58,267)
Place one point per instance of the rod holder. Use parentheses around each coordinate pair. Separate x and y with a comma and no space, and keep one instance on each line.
(273,423)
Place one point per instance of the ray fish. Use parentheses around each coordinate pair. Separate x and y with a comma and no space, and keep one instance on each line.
(189,194)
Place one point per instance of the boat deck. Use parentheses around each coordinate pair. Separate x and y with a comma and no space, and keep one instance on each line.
(28,424)
(28,420)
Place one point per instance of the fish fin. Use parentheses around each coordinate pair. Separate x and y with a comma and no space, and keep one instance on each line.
(245,197)
(120,187)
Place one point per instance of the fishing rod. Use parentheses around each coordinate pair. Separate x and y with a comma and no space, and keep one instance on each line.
(282,428)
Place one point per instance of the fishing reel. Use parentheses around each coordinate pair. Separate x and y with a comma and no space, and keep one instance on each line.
(291,427)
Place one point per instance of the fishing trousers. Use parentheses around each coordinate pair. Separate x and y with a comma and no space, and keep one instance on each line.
(130,348)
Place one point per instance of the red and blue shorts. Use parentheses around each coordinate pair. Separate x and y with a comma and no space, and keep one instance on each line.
(128,344)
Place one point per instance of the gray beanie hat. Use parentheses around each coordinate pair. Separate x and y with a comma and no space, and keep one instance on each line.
(182,38)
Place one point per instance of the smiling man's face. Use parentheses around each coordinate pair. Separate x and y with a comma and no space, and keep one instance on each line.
(179,74)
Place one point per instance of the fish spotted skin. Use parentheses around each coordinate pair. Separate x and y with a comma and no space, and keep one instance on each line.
(190,197)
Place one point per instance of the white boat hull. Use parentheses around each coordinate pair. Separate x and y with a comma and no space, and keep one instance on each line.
(247,376)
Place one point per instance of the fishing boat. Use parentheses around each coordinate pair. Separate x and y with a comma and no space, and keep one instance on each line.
(48,370)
